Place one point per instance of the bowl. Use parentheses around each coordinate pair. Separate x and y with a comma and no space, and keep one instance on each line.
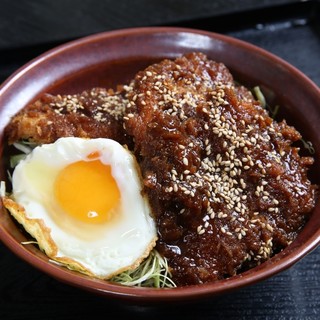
(107,59)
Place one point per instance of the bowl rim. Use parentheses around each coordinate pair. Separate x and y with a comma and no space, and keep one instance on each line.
(276,264)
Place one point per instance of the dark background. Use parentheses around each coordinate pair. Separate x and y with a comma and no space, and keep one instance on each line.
(289,29)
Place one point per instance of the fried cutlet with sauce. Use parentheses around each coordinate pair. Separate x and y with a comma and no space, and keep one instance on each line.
(227,187)
(95,113)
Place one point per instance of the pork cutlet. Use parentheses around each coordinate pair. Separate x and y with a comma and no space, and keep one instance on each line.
(226,185)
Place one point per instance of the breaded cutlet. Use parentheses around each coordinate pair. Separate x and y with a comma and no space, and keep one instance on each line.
(94,113)
(226,185)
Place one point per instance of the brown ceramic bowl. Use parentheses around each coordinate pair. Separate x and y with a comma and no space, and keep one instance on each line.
(107,59)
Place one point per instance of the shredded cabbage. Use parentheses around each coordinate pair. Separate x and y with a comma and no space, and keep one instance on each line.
(259,95)
(274,111)
(152,272)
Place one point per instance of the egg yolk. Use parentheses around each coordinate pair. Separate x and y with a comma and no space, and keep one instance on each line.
(87,191)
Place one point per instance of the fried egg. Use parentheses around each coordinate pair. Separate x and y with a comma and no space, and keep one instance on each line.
(82,200)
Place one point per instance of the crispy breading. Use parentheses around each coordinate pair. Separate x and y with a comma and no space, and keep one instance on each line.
(221,175)
(94,113)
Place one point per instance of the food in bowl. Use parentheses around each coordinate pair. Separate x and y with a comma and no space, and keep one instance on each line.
(227,187)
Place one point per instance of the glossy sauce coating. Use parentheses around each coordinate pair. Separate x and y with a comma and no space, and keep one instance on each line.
(227,187)
(94,113)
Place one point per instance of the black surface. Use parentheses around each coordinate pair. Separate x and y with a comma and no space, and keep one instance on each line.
(29,22)
(290,29)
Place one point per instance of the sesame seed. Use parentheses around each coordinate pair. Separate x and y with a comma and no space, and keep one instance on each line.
(268,226)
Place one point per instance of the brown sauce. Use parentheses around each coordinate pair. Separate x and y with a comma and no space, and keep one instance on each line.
(227,187)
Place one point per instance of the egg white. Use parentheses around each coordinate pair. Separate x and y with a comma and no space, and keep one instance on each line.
(99,250)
